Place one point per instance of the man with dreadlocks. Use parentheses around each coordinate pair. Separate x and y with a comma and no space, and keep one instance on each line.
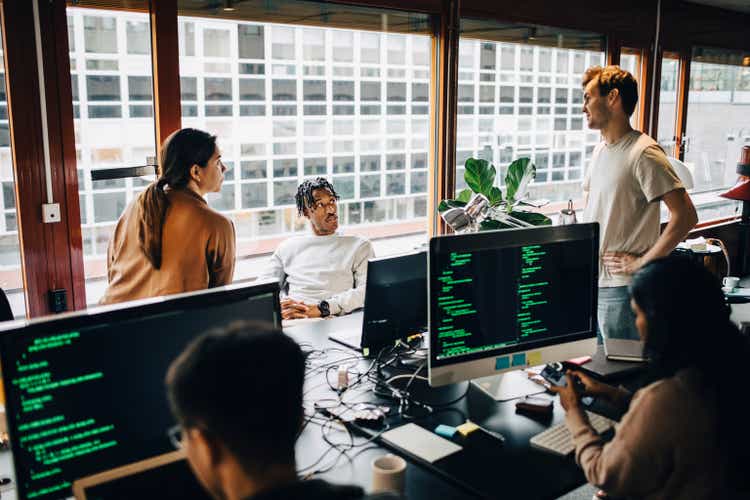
(323,273)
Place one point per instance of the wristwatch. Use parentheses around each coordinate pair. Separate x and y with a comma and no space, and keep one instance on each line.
(325,309)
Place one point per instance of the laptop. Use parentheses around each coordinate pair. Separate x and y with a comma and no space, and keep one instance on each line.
(624,350)
(167,477)
(395,304)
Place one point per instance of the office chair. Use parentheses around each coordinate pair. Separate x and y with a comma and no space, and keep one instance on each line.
(6,313)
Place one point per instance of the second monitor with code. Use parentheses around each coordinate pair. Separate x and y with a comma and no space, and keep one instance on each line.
(510,299)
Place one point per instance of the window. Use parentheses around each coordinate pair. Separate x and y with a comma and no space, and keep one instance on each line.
(630,60)
(716,116)
(670,74)
(716,127)
(10,252)
(110,54)
(289,102)
(536,118)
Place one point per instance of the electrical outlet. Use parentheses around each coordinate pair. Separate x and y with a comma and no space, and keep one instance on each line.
(51,213)
(58,301)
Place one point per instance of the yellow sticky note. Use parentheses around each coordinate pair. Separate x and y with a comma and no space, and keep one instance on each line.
(467,428)
(534,358)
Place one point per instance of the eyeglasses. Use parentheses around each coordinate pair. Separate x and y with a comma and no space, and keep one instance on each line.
(319,204)
(175,436)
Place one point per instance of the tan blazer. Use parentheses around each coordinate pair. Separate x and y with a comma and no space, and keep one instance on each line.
(198,251)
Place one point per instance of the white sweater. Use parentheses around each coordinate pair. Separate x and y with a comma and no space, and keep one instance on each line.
(332,268)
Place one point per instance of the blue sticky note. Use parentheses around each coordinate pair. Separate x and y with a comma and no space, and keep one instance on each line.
(502,363)
(519,359)
(445,430)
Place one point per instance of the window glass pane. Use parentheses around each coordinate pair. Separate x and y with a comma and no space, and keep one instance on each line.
(103,88)
(343,46)
(717,119)
(251,41)
(139,88)
(252,89)
(116,128)
(189,88)
(139,38)
(215,42)
(630,60)
(670,74)
(282,45)
(313,45)
(284,90)
(10,253)
(218,89)
(186,36)
(100,34)
(314,90)
(521,125)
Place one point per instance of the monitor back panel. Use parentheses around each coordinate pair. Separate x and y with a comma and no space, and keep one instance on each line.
(395,299)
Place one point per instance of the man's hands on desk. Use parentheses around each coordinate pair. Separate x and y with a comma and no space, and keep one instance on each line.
(296,309)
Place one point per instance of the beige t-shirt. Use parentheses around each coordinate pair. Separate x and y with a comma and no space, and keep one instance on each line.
(625,182)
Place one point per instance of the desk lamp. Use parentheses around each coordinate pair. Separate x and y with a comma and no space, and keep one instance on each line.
(741,192)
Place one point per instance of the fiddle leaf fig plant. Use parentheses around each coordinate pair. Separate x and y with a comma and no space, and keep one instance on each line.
(480,178)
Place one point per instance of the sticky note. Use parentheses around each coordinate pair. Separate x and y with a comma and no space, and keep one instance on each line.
(445,430)
(534,358)
(502,363)
(467,428)
(519,359)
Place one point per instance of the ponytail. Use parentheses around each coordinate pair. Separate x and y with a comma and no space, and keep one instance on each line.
(152,209)
(180,151)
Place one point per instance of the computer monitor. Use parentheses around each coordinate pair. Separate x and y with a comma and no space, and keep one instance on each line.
(85,391)
(395,299)
(509,299)
(395,303)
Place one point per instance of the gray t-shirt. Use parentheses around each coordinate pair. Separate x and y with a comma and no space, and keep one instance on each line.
(625,182)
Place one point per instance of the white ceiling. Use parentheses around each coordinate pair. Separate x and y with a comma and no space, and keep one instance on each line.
(737,5)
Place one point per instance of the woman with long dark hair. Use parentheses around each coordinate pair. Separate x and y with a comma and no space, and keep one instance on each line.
(169,240)
(683,435)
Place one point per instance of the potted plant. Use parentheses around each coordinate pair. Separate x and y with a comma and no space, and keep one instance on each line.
(504,210)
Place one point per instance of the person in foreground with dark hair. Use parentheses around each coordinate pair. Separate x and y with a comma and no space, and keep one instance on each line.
(237,396)
(169,240)
(323,273)
(683,436)
(628,177)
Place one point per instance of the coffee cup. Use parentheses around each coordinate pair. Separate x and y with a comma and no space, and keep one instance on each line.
(730,283)
(388,474)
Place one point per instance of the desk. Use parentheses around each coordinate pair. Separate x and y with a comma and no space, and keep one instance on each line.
(516,469)
(512,471)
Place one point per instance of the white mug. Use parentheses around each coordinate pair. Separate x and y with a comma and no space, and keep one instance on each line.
(388,474)
(731,282)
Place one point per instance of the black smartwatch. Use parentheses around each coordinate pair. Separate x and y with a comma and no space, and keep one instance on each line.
(325,309)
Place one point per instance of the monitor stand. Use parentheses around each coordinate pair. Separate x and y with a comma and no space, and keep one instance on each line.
(507,386)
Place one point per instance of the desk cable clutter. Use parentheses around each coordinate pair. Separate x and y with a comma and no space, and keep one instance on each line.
(348,424)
